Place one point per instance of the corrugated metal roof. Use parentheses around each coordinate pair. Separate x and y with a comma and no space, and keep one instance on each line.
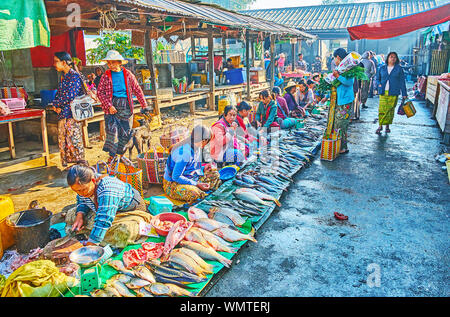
(341,16)
(213,14)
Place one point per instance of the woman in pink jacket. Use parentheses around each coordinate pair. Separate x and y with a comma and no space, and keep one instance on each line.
(224,146)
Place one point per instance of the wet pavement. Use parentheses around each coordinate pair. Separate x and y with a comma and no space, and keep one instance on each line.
(396,241)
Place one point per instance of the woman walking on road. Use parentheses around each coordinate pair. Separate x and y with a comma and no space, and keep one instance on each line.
(345,97)
(115,91)
(391,81)
(70,138)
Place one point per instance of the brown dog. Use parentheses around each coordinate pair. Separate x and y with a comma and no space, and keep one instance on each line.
(140,136)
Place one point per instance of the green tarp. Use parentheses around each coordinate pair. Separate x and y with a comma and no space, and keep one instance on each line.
(23,24)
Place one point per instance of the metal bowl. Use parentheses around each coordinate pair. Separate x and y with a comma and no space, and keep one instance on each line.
(87,256)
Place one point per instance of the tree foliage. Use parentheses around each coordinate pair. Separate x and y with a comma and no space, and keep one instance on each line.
(120,42)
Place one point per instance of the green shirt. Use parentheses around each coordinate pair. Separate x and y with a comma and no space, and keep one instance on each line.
(261,113)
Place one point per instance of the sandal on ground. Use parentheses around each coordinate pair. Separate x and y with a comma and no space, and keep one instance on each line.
(339,216)
(388,130)
(344,152)
(379,131)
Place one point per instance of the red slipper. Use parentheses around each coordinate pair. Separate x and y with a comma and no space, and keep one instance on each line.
(339,216)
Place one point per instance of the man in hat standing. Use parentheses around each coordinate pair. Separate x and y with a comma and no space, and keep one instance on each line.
(115,91)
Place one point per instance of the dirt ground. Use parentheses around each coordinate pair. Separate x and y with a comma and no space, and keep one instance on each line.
(26,180)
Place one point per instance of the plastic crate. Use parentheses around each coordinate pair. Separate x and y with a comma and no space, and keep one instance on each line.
(47,96)
(235,76)
(160,204)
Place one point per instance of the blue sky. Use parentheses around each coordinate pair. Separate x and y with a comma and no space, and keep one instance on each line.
(267,4)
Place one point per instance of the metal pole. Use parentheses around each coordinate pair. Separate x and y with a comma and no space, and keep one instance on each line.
(272,60)
(247,62)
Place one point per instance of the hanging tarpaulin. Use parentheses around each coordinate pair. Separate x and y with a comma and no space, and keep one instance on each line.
(402,25)
(23,24)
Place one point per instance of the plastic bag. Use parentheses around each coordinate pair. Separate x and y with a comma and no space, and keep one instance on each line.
(37,279)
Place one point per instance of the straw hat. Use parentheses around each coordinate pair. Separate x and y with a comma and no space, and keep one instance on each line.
(113,55)
(290,84)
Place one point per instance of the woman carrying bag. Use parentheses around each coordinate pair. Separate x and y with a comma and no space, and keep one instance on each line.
(70,135)
(391,81)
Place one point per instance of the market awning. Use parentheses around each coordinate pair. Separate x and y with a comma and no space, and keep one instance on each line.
(398,26)
(23,24)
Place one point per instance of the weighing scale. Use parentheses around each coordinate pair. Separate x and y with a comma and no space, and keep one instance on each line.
(89,260)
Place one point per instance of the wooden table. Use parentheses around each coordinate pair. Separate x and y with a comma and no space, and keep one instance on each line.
(443,109)
(23,115)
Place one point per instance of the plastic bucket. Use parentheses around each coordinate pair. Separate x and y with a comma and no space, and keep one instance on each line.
(31,228)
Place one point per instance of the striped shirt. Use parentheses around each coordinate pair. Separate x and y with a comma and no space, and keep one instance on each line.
(113,195)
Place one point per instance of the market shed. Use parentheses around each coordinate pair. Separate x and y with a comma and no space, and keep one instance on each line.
(330,22)
(149,20)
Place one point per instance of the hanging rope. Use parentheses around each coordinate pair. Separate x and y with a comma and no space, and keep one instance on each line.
(107,19)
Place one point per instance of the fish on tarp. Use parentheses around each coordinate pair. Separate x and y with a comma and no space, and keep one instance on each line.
(143,293)
(121,277)
(158,289)
(207,253)
(248,208)
(222,218)
(209,224)
(179,274)
(216,242)
(187,262)
(260,195)
(233,215)
(270,180)
(178,291)
(195,213)
(144,273)
(119,266)
(250,198)
(137,283)
(195,236)
(164,279)
(243,184)
(122,289)
(194,256)
(111,291)
(233,235)
(99,293)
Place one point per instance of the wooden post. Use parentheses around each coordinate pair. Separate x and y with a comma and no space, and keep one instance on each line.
(102,130)
(272,60)
(73,43)
(12,148)
(84,127)
(149,58)
(247,62)
(192,107)
(46,153)
(224,46)
(193,46)
(293,56)
(212,94)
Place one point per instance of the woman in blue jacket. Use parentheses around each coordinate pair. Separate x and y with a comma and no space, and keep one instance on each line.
(184,178)
(344,102)
(391,81)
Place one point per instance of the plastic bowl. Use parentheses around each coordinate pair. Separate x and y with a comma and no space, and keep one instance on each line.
(227,173)
(166,216)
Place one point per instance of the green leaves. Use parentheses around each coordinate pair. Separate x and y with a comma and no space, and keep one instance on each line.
(114,41)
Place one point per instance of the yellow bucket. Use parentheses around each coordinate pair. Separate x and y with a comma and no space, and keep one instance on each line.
(223,102)
(6,233)
(448,169)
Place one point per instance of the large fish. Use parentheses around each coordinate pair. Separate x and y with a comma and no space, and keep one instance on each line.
(230,213)
(111,291)
(215,242)
(178,291)
(195,213)
(187,262)
(209,224)
(175,235)
(120,277)
(233,235)
(178,274)
(260,195)
(250,198)
(143,293)
(164,280)
(122,289)
(195,236)
(119,266)
(190,253)
(222,218)
(137,283)
(207,253)
(158,289)
(144,273)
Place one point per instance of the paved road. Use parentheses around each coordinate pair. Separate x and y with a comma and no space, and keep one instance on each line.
(398,202)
